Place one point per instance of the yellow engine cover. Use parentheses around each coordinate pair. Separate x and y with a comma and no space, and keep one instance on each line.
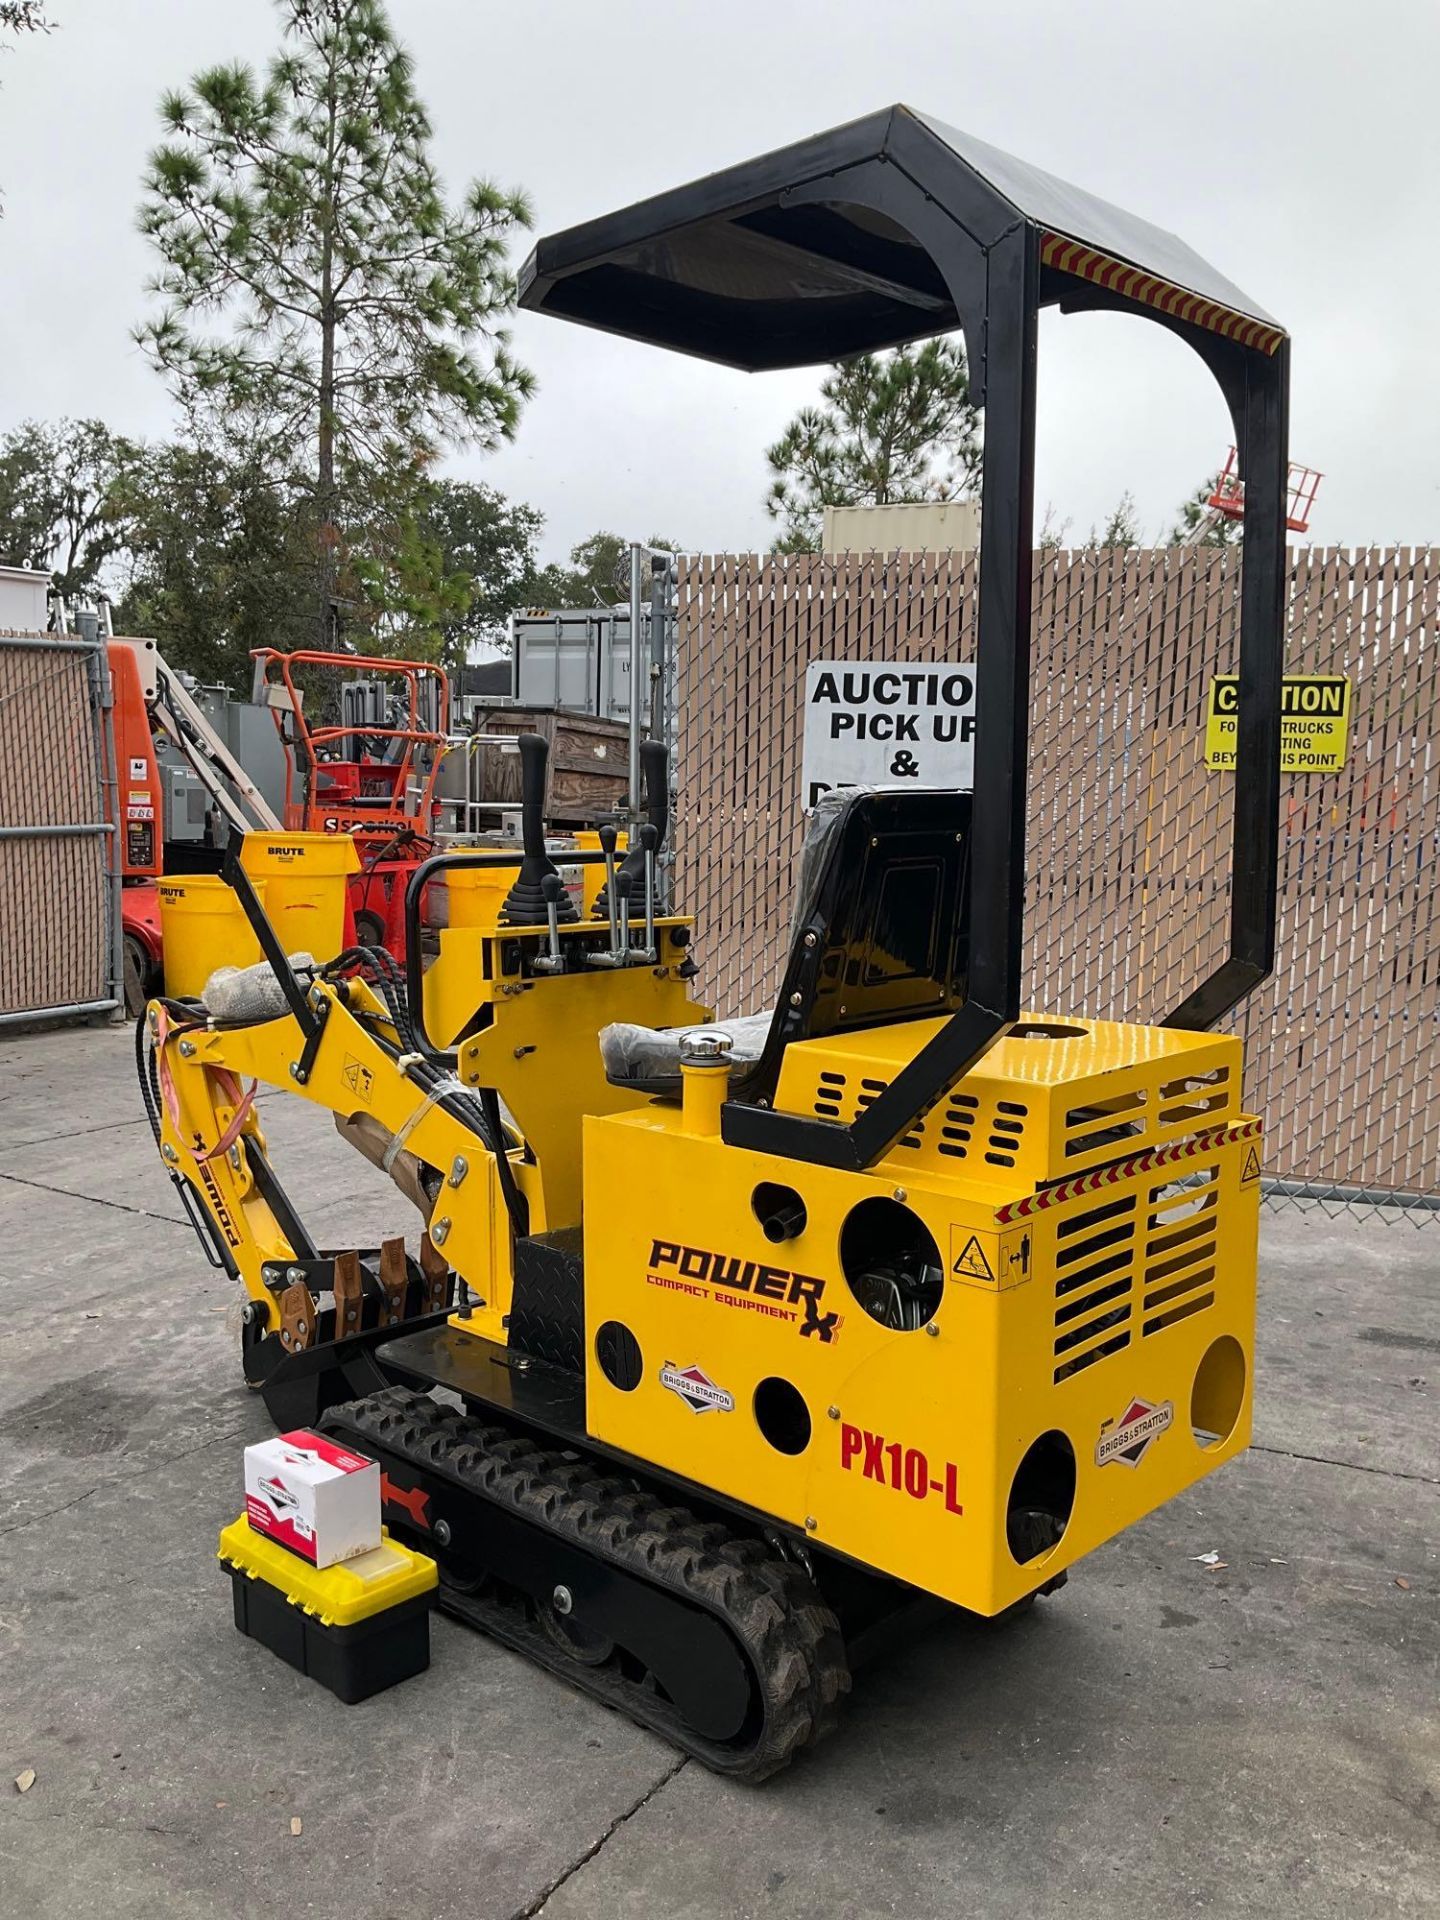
(1091,1192)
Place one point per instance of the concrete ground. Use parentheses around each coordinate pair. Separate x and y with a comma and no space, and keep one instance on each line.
(1162,1739)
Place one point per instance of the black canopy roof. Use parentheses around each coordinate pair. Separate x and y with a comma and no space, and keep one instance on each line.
(767,264)
(890,229)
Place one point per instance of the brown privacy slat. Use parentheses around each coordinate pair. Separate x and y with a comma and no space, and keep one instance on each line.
(1127,882)
(54,927)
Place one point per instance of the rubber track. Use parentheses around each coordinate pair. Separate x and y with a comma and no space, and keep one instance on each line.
(790,1638)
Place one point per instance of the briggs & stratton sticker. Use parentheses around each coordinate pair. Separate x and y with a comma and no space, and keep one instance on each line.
(1131,1438)
(695,1387)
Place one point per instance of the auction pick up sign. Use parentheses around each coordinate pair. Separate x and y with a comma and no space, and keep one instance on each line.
(1314,723)
(871,724)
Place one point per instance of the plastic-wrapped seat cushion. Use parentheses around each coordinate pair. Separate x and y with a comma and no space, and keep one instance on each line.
(251,993)
(652,1054)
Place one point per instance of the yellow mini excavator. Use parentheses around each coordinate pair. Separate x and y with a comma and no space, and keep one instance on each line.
(725,1346)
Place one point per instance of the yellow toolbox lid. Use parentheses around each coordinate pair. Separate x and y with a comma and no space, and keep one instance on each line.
(338,1596)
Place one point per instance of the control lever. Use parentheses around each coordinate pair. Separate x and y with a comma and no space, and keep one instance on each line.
(607,837)
(525,903)
(649,842)
(622,889)
(654,763)
(553,889)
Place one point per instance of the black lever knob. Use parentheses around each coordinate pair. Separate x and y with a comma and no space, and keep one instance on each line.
(525,903)
(554,891)
(604,908)
(649,841)
(655,764)
(534,757)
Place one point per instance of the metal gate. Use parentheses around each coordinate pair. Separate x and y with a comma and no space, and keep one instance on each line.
(1128,834)
(60,940)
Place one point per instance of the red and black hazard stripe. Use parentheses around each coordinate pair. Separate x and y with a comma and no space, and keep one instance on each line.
(1068,256)
(1118,1170)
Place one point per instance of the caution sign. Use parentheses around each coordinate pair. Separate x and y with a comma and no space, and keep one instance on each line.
(1314,723)
(970,1263)
(999,1261)
(869,724)
(1252,1167)
(1016,1257)
(357,1076)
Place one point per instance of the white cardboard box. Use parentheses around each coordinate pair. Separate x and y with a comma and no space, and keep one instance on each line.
(317,1498)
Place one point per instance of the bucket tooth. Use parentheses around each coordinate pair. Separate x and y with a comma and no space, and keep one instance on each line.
(348,1294)
(394,1280)
(435,1277)
(298,1315)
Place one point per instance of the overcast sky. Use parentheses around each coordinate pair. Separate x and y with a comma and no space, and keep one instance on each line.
(1295,143)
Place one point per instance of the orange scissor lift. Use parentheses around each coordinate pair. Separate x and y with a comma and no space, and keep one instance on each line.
(376,781)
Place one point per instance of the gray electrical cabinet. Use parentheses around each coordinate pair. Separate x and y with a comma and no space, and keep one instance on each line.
(250,734)
(578,661)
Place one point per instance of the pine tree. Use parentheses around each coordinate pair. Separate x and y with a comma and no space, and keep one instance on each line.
(212,561)
(1050,537)
(598,574)
(1122,527)
(1198,525)
(23,16)
(321,302)
(892,427)
(489,543)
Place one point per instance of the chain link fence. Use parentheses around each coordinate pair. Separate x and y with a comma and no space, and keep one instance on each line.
(60,950)
(1127,898)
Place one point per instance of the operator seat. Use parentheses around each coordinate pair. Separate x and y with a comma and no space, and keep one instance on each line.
(880,933)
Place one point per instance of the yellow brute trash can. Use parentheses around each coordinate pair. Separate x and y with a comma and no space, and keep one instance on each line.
(470,896)
(306,877)
(202,927)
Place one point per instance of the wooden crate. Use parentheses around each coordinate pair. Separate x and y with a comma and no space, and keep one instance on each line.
(589,766)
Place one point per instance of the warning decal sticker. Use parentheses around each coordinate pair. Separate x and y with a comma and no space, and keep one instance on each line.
(1314,723)
(357,1077)
(1002,1259)
(1015,1258)
(971,1261)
